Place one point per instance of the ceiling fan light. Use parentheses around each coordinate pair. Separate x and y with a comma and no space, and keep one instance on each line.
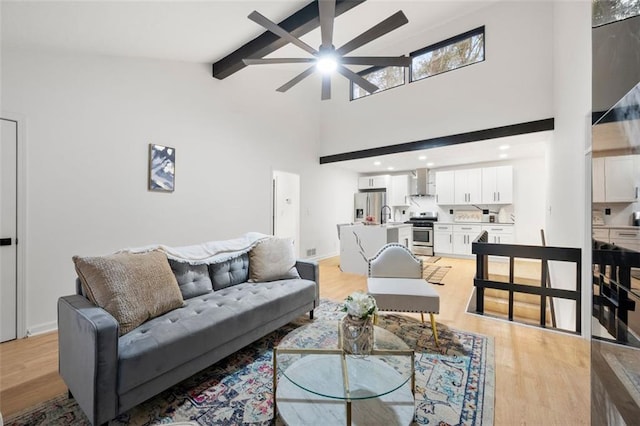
(327,64)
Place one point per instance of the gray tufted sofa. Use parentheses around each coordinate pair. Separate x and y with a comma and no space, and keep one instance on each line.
(108,375)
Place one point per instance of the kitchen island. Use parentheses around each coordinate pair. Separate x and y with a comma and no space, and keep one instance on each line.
(359,243)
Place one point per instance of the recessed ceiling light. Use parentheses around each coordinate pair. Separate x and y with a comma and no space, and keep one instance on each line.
(376,163)
(422,157)
(503,147)
(429,164)
(504,155)
(389,168)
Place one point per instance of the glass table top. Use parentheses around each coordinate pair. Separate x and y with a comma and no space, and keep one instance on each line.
(311,358)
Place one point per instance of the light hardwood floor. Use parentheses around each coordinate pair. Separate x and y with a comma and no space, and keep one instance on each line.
(542,377)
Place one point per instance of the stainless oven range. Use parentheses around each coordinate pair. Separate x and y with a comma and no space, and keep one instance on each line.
(423,233)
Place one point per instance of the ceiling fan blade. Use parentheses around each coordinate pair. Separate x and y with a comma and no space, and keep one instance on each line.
(396,20)
(382,61)
(356,79)
(264,61)
(297,79)
(260,19)
(327,12)
(326,87)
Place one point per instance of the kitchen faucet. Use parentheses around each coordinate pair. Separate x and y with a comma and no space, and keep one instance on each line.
(382,219)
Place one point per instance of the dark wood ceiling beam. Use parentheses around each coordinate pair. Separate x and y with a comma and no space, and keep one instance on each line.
(298,24)
(475,136)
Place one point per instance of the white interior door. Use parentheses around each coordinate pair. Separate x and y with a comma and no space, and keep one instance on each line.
(8,230)
(286,206)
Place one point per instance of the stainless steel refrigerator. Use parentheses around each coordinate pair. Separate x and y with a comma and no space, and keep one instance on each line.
(368,204)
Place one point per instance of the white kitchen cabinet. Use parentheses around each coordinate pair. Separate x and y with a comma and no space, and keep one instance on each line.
(601,234)
(499,234)
(445,187)
(468,186)
(373,182)
(443,239)
(497,185)
(404,236)
(627,238)
(398,191)
(598,180)
(463,236)
(621,178)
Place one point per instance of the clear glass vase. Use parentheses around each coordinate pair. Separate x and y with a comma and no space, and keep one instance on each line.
(357,335)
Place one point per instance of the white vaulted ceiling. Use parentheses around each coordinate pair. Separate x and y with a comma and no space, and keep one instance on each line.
(199,31)
(206,31)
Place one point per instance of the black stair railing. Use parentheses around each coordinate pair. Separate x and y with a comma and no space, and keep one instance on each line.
(482,249)
(614,294)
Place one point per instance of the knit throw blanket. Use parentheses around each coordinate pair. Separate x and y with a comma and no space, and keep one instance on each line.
(209,252)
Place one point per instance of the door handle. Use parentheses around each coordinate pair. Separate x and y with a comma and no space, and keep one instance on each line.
(5,241)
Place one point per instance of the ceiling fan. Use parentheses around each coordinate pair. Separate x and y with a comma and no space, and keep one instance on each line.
(327,58)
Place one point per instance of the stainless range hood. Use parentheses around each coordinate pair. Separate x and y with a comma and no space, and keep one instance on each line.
(420,183)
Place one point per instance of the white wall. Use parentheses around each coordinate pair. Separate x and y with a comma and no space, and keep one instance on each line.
(329,201)
(513,85)
(89,121)
(567,200)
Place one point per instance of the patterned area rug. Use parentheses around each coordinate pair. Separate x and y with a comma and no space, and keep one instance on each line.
(435,274)
(429,259)
(454,383)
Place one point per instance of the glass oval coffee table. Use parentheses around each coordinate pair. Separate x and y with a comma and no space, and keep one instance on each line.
(315,382)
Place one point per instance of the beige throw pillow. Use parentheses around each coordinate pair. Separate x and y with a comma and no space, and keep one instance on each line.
(133,288)
(272,259)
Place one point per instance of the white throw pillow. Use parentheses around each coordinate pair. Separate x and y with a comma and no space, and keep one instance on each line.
(272,259)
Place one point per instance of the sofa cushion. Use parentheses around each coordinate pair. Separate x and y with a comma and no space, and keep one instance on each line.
(230,272)
(133,288)
(203,324)
(272,259)
(193,279)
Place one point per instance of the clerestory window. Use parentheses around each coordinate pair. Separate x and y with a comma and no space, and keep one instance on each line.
(447,55)
(385,78)
(606,12)
(450,54)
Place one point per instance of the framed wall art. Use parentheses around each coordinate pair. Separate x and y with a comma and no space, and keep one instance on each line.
(162,168)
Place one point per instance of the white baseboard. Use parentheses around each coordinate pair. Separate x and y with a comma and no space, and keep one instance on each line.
(320,257)
(42,328)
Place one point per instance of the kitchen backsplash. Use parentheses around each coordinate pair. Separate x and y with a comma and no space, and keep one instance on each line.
(620,214)
(421,204)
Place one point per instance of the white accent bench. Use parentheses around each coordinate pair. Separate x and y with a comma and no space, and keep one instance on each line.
(395,281)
